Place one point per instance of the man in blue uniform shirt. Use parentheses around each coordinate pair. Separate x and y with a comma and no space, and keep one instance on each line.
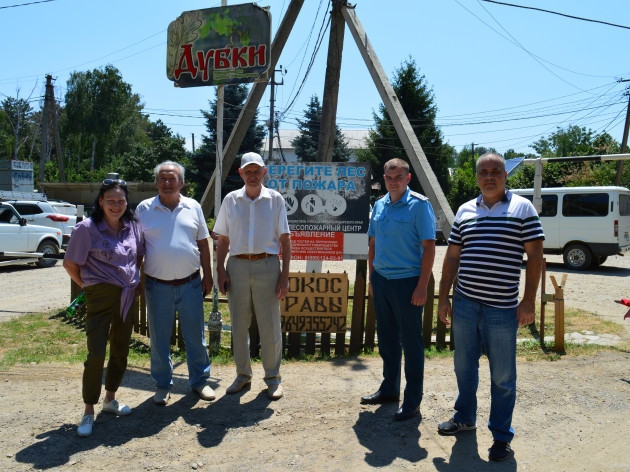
(400,257)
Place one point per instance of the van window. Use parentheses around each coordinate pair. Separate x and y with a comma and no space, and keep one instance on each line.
(624,204)
(549,204)
(585,204)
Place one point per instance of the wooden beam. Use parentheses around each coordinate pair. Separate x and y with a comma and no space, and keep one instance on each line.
(419,162)
(328,121)
(251,105)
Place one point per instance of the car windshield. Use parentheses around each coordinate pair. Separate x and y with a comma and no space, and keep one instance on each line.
(7,216)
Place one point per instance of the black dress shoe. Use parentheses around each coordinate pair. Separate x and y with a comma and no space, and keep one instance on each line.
(406,413)
(377,398)
(499,451)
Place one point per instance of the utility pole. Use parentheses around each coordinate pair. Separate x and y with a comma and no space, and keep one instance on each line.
(193,142)
(272,118)
(50,91)
(44,137)
(472,159)
(624,140)
(327,128)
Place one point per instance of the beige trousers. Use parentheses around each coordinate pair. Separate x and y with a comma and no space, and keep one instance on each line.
(253,284)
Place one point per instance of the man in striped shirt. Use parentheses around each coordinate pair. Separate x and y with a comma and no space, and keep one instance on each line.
(485,252)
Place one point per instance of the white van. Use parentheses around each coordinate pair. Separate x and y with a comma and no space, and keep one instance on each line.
(584,224)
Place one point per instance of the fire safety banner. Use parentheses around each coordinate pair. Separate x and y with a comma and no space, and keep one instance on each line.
(219,46)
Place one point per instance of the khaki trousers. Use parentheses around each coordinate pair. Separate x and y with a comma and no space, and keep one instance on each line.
(253,283)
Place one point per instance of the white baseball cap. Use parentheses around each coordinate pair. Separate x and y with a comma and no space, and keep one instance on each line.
(252,158)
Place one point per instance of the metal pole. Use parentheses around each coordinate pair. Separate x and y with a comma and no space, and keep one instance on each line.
(214,320)
(624,143)
(271,117)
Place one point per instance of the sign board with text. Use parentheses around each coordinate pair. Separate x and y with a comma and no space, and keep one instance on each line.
(323,196)
(316,246)
(316,303)
(219,46)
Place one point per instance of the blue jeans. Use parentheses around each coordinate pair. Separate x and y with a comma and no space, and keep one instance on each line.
(399,327)
(162,302)
(474,324)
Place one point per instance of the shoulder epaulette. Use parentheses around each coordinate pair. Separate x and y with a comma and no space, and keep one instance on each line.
(417,195)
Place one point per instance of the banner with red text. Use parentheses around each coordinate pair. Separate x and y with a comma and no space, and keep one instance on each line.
(218,46)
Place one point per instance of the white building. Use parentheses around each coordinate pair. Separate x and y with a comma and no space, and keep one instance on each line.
(354,137)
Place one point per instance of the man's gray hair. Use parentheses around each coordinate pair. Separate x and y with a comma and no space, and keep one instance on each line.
(494,156)
(180,169)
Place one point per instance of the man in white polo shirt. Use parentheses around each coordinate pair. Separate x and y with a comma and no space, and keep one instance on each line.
(252,225)
(175,235)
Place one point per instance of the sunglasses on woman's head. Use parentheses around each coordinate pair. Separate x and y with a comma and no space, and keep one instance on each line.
(115,181)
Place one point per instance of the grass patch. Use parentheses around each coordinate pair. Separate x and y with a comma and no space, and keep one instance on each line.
(53,338)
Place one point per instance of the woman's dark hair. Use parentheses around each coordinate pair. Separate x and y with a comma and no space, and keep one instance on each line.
(98,214)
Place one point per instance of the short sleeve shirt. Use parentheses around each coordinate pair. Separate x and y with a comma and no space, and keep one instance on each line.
(399,229)
(253,226)
(103,256)
(492,242)
(171,237)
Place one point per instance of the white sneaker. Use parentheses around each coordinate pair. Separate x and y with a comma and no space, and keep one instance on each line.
(85,427)
(205,392)
(161,397)
(119,409)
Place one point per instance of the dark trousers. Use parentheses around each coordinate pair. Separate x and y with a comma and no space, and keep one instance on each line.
(103,322)
(399,327)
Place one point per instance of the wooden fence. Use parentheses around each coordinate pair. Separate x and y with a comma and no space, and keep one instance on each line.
(362,325)
(363,322)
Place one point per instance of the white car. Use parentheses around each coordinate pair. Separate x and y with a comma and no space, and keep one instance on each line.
(16,235)
(60,215)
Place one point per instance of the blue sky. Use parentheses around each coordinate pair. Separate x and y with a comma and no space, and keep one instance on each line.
(502,77)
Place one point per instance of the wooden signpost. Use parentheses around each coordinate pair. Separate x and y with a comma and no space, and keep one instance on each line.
(316,303)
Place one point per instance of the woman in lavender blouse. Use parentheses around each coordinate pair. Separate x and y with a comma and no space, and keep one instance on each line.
(104,256)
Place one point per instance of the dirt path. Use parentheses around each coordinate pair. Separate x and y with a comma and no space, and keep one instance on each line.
(571,415)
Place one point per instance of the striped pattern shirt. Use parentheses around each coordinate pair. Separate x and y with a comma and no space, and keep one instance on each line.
(492,241)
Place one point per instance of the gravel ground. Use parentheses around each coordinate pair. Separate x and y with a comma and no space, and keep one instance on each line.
(571,415)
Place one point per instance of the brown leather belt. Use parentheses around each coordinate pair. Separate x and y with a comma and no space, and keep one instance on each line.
(174,282)
(253,257)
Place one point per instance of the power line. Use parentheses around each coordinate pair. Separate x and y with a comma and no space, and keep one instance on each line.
(25,4)
(557,13)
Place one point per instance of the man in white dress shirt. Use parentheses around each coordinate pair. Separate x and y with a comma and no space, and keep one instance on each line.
(252,225)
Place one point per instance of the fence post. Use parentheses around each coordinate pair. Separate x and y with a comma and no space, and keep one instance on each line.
(543,301)
(358,310)
(559,312)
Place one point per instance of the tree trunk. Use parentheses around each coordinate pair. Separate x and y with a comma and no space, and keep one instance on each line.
(93,152)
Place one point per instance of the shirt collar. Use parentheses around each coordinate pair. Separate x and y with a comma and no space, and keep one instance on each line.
(264,193)
(156,203)
(103,227)
(506,198)
(403,200)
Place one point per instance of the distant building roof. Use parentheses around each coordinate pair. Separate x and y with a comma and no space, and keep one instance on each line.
(354,137)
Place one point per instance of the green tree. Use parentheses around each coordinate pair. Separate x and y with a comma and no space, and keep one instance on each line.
(418,103)
(572,141)
(306,143)
(98,103)
(203,161)
(17,128)
(158,144)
